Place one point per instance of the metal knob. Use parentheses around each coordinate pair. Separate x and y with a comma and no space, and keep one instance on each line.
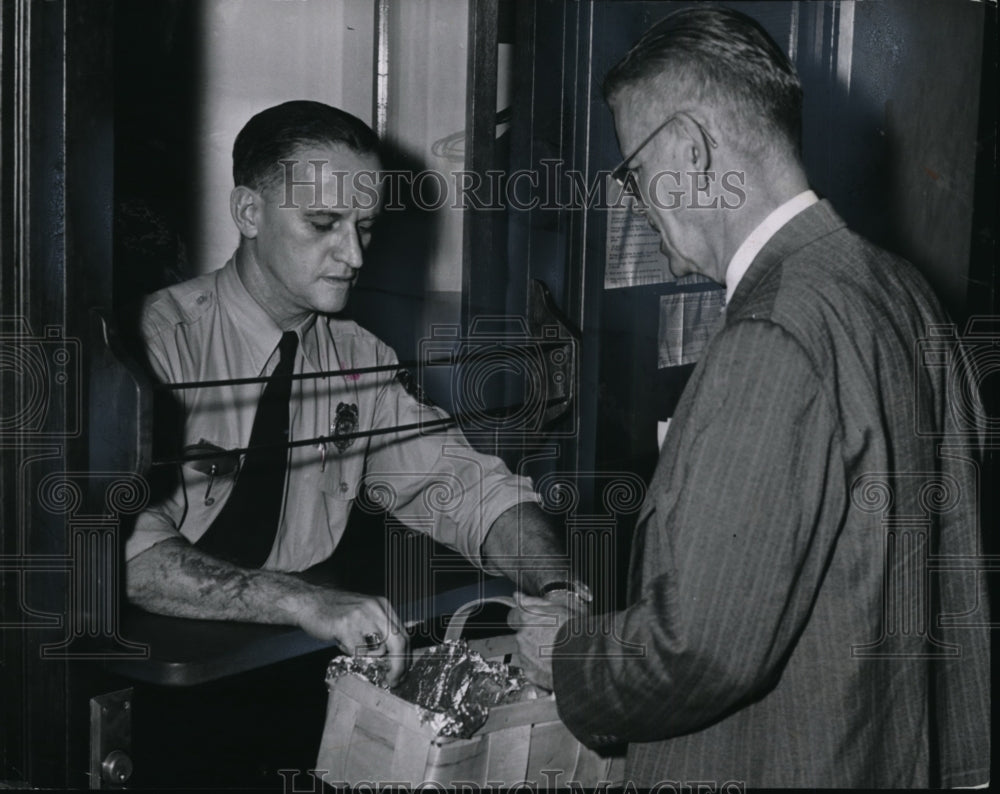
(116,768)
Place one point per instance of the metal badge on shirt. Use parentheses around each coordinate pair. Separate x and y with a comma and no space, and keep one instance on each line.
(344,423)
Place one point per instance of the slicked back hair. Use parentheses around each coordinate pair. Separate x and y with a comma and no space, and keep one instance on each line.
(279,132)
(720,57)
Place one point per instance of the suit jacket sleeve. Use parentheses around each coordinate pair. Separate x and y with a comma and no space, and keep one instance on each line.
(744,522)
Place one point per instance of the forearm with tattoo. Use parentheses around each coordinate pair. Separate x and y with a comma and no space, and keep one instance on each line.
(174,578)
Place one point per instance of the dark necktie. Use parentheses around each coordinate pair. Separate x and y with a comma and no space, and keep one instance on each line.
(244,530)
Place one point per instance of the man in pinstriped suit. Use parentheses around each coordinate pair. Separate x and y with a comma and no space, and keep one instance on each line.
(783,627)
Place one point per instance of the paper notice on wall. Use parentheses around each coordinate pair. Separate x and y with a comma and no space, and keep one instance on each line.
(633,252)
(633,257)
(687,322)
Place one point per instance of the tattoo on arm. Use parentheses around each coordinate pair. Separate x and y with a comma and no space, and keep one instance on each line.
(174,578)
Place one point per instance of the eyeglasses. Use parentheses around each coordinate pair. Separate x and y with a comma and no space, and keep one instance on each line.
(621,172)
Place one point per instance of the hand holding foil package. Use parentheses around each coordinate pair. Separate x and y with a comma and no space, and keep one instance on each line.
(454,686)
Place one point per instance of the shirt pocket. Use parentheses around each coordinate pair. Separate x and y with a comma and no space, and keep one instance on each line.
(343,474)
(208,480)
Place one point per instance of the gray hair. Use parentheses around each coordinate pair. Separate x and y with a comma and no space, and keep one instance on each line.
(723,58)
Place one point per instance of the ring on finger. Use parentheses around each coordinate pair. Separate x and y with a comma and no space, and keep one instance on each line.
(373,639)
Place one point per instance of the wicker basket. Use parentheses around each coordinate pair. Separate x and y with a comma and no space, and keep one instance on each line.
(373,737)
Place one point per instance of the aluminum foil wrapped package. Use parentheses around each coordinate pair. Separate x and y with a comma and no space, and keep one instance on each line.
(374,669)
(454,686)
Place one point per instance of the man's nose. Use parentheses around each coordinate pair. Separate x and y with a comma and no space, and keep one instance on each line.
(348,247)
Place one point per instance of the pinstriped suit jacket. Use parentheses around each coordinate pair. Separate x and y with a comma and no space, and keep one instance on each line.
(785,626)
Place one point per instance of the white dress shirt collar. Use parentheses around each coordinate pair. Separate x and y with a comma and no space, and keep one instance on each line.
(758,238)
(260,333)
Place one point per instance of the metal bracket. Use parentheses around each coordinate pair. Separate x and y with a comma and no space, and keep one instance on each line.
(561,339)
(111,739)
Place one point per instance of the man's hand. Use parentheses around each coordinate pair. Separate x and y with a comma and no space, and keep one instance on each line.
(359,624)
(537,620)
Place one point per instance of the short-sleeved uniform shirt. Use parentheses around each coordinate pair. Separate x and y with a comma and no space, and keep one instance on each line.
(211,328)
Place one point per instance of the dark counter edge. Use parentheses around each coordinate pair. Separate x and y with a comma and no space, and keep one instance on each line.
(271,644)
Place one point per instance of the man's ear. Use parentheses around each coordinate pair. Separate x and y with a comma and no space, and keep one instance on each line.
(245,205)
(697,148)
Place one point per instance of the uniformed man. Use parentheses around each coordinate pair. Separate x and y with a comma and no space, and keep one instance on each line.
(222,544)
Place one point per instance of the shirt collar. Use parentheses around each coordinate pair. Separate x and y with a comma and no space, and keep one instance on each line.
(758,238)
(259,331)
